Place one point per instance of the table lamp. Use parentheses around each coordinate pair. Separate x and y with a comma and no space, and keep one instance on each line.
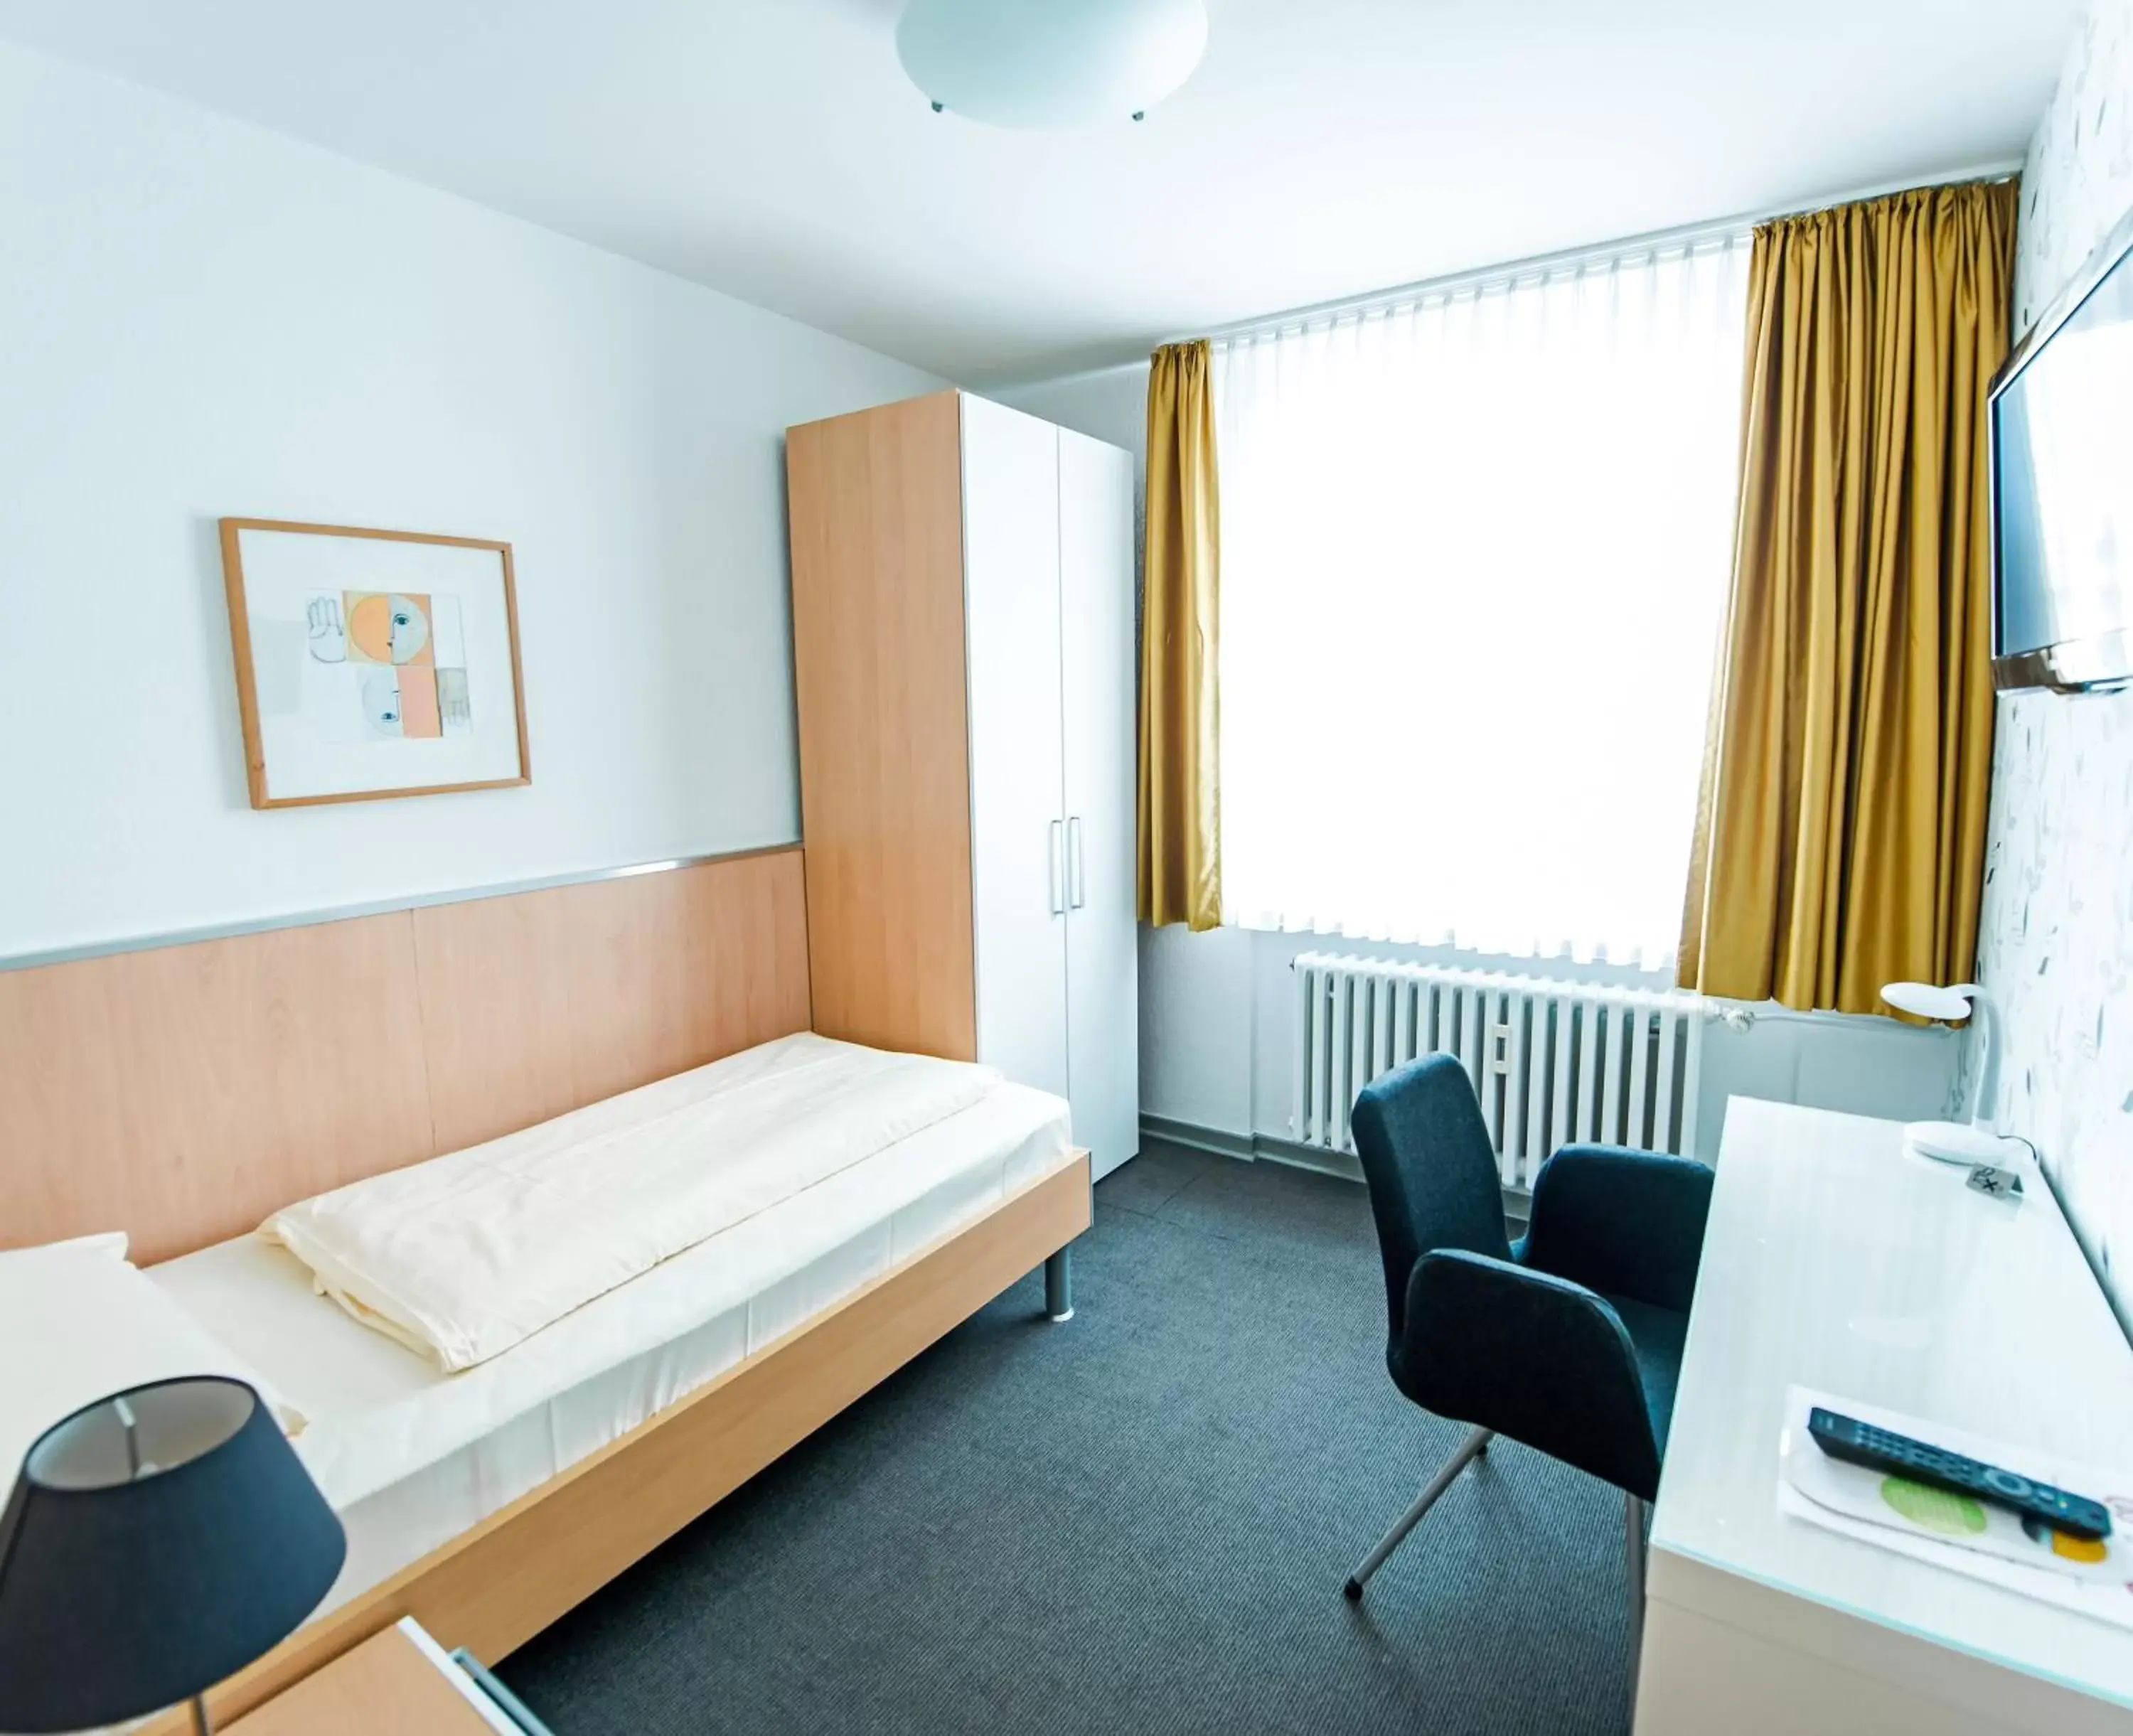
(157,1541)
(1977,1141)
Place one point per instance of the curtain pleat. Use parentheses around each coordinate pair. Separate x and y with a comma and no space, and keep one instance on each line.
(1180,832)
(1841,833)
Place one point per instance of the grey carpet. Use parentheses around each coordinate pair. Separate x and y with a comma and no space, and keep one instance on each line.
(1139,1520)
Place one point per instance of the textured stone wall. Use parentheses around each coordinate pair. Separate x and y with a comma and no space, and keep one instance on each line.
(2056,941)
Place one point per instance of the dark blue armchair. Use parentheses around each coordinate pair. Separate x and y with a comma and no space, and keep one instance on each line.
(1568,1340)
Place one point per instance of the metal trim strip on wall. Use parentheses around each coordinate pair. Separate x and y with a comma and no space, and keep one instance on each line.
(380,907)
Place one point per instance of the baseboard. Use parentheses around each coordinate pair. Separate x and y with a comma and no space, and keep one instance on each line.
(1298,1156)
(1197,1138)
(1271,1148)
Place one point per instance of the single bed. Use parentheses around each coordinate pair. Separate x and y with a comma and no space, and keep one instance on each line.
(184,1092)
(412,1457)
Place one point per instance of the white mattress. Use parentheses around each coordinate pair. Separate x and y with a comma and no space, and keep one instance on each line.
(411,1456)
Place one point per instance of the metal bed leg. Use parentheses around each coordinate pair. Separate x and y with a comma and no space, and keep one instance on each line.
(1472,1447)
(1059,1284)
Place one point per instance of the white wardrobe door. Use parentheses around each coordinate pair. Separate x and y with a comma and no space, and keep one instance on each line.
(1018,841)
(1096,622)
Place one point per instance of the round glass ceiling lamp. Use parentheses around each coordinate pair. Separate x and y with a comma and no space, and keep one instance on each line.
(1050,63)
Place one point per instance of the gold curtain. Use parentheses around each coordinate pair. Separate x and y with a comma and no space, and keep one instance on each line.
(1840,836)
(1181,853)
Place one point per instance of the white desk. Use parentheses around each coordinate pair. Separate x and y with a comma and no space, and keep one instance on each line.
(1836,1261)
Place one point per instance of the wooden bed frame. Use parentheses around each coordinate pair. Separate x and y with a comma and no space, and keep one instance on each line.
(183,1091)
(494,1587)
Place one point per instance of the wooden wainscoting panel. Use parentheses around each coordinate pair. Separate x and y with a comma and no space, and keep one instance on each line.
(184,1093)
(538,1002)
(876,507)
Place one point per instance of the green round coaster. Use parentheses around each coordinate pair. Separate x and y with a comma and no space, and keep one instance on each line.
(1933,1509)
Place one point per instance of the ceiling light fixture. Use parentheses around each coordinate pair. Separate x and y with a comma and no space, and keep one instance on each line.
(1050,63)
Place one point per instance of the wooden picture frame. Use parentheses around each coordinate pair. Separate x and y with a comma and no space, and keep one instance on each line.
(385,709)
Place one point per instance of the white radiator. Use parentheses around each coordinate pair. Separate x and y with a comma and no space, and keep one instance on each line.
(1551,1061)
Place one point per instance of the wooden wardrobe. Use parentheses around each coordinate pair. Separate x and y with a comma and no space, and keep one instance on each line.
(963,648)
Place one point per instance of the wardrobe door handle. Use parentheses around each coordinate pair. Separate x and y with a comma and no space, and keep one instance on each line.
(1054,871)
(1076,887)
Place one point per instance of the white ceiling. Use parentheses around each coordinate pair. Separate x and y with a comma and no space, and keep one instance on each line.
(774,150)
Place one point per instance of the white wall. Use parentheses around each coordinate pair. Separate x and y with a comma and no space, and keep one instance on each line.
(1217,1010)
(201,319)
(2055,940)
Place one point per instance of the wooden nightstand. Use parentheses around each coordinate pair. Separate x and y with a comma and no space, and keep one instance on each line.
(399,1680)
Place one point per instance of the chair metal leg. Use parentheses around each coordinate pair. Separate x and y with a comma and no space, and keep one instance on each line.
(1059,1284)
(1473,1446)
(1634,1529)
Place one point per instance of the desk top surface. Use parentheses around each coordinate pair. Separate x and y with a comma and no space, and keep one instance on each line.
(397,1680)
(1835,1260)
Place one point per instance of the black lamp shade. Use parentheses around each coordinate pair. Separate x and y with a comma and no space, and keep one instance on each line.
(140,1565)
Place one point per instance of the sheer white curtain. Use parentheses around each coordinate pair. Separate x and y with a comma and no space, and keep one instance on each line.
(1474,551)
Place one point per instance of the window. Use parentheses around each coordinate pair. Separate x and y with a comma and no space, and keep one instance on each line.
(1475,557)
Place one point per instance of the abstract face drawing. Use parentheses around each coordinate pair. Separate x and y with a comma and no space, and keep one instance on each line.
(404,655)
(381,702)
(388,627)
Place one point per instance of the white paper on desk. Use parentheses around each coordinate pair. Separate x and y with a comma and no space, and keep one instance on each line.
(1819,1490)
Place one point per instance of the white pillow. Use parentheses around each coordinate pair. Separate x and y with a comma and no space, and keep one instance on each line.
(111,1243)
(79,1322)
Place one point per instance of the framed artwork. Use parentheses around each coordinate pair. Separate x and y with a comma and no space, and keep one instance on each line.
(372,663)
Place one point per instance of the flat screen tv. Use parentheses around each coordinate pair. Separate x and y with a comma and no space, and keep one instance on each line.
(2062,412)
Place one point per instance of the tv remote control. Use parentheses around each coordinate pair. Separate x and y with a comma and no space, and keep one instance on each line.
(1881,1449)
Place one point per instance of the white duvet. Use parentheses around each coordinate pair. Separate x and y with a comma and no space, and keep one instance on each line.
(465,1256)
